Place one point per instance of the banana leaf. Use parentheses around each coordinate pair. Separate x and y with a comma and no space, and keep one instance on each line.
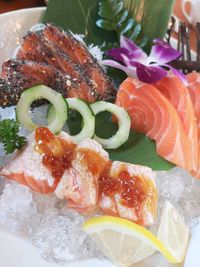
(80,16)
(138,149)
(153,15)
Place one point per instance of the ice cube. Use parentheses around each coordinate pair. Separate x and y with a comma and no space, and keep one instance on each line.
(7,113)
(18,213)
(2,185)
(48,204)
(180,188)
(62,240)
(52,238)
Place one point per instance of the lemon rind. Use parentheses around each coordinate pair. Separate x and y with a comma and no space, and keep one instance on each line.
(136,230)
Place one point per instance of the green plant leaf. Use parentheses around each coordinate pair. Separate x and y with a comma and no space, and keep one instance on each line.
(136,32)
(79,16)
(113,11)
(118,8)
(106,24)
(153,15)
(138,149)
(122,17)
(128,26)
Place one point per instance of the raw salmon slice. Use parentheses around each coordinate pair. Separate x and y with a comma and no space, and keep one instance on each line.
(152,114)
(172,88)
(79,184)
(26,168)
(194,90)
(79,54)
(140,181)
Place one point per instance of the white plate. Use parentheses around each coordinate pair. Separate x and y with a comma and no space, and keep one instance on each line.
(18,252)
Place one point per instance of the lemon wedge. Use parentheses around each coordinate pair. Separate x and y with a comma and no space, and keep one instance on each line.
(173,232)
(125,242)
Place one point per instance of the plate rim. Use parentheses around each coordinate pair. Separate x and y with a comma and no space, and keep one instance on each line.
(26,10)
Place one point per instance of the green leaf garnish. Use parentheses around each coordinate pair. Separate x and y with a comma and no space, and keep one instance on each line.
(139,149)
(9,136)
(115,17)
(153,15)
(79,16)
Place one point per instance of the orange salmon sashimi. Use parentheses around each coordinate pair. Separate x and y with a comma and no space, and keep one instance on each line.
(152,113)
(26,168)
(79,184)
(129,191)
(172,88)
(194,90)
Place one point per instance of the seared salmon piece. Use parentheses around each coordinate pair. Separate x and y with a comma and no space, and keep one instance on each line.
(26,168)
(20,75)
(35,48)
(78,52)
(129,191)
(56,59)
(80,184)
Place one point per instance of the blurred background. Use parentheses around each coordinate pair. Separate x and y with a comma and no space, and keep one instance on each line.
(8,5)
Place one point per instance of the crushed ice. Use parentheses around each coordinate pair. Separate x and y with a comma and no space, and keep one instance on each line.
(58,232)
(46,222)
(61,238)
(182,190)
(18,212)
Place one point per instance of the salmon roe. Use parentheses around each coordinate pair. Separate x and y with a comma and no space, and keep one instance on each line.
(129,187)
(56,165)
(57,153)
(43,134)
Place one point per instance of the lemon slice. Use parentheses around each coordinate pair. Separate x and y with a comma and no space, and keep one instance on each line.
(125,242)
(173,232)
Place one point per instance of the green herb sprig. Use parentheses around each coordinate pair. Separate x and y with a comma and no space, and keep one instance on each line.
(115,17)
(9,137)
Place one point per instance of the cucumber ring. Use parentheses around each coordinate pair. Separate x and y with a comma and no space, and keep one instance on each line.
(124,123)
(39,92)
(86,112)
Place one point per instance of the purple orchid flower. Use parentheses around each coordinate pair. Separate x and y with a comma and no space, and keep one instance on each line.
(136,63)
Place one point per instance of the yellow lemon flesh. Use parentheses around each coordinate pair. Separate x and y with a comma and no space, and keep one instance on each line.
(125,242)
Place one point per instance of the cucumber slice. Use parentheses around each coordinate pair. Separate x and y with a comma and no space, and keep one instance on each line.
(124,123)
(86,112)
(39,92)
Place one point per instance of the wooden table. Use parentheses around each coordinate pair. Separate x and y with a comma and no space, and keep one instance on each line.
(9,5)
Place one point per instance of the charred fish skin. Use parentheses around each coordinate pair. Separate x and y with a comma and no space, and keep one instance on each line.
(79,53)
(56,59)
(75,71)
(8,96)
(36,48)
(33,48)
(17,76)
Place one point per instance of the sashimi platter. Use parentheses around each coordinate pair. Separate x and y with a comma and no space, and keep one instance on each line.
(99,140)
